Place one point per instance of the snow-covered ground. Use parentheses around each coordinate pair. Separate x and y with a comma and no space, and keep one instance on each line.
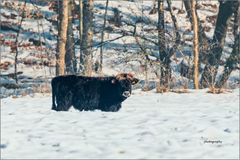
(149,125)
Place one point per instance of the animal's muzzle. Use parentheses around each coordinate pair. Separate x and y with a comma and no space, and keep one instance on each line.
(126,94)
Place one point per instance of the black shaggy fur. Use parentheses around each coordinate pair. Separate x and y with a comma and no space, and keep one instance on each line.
(90,93)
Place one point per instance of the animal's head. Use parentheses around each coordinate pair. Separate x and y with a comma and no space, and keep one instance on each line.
(125,81)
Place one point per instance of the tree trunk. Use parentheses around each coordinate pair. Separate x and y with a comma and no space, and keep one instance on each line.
(16,42)
(87,38)
(80,31)
(60,63)
(165,71)
(176,31)
(231,63)
(58,11)
(195,43)
(70,47)
(161,44)
(102,37)
(234,59)
(226,9)
(146,82)
(203,40)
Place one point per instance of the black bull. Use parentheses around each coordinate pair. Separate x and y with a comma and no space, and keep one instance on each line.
(91,93)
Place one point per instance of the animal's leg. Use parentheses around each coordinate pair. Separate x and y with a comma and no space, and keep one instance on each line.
(112,108)
(78,107)
(64,102)
(116,107)
(54,90)
(61,106)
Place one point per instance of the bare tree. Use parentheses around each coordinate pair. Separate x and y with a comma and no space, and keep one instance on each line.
(16,42)
(202,37)
(102,37)
(70,60)
(233,61)
(226,9)
(80,28)
(80,18)
(176,31)
(195,43)
(87,38)
(162,84)
(60,63)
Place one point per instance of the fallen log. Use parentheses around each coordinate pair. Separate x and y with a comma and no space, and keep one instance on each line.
(10,75)
(9,85)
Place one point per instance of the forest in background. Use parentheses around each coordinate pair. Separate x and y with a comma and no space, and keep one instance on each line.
(168,44)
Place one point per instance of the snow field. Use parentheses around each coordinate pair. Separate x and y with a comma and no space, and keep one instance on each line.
(149,125)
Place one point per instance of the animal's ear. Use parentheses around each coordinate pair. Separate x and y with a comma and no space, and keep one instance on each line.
(134,81)
(121,76)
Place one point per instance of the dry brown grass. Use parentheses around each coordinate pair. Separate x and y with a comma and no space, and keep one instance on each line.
(180,90)
(162,90)
(214,90)
(146,88)
(43,88)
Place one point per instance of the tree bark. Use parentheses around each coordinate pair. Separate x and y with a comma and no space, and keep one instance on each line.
(203,40)
(161,47)
(195,43)
(87,38)
(70,46)
(164,57)
(231,63)
(60,63)
(226,9)
(234,59)
(80,30)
